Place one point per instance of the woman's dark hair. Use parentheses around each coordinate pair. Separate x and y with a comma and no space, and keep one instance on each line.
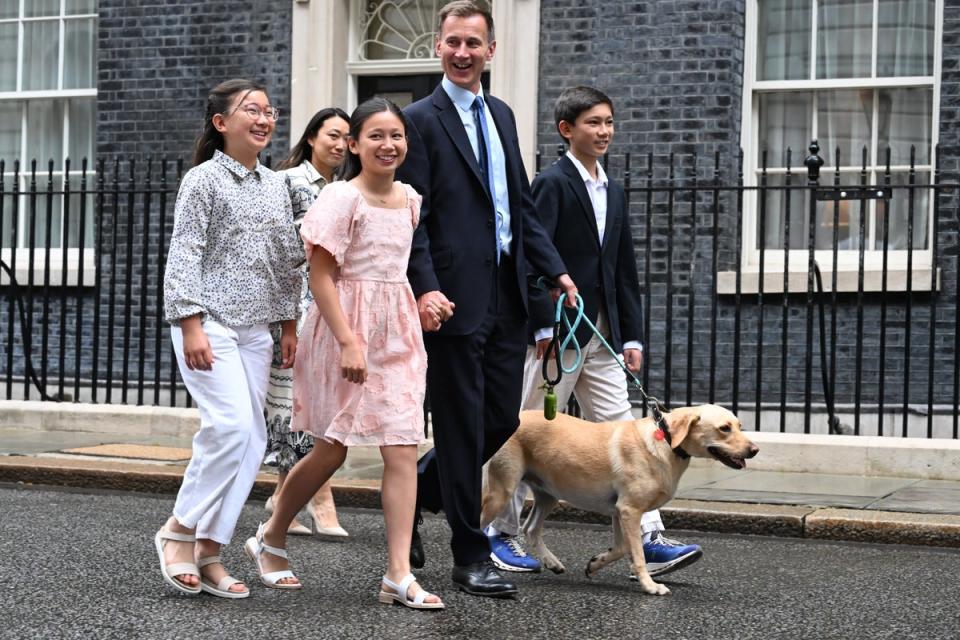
(302,150)
(377,104)
(219,100)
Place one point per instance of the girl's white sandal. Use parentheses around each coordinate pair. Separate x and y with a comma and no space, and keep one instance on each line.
(176,568)
(400,594)
(254,548)
(222,588)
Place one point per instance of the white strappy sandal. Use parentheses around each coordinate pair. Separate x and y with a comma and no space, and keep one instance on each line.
(176,568)
(400,595)
(254,548)
(222,588)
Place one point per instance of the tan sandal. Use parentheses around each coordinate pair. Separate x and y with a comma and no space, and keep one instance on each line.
(400,595)
(222,588)
(176,568)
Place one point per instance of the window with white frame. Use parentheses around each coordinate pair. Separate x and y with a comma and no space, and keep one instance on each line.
(48,75)
(855,75)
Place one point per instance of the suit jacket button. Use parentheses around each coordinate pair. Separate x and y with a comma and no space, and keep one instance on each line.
(488,261)
(489,222)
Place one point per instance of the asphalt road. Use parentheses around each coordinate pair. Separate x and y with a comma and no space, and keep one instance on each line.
(82,565)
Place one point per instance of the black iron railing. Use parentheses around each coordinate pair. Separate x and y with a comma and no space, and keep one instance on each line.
(109,342)
(876,358)
(731,316)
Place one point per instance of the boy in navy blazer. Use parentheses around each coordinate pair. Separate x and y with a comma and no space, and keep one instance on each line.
(585,215)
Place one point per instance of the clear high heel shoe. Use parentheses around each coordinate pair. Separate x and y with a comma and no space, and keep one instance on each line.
(329,532)
(296,527)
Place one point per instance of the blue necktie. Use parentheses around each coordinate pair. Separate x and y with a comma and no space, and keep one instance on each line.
(483,158)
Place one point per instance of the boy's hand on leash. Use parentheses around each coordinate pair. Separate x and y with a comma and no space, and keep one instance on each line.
(197,352)
(542,347)
(353,366)
(633,358)
(288,343)
(434,309)
(567,288)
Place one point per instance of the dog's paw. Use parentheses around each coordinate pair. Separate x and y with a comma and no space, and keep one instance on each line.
(649,586)
(655,589)
(550,562)
(594,566)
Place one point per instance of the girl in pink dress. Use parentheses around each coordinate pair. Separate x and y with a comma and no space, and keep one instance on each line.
(360,370)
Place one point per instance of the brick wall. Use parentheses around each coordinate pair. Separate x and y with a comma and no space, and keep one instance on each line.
(158,59)
(673,69)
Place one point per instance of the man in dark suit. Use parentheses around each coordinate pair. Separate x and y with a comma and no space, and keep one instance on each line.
(468,268)
(585,215)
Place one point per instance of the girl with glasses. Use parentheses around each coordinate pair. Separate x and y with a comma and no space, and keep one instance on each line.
(231,270)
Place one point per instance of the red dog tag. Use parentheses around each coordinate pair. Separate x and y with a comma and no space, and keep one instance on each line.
(658,434)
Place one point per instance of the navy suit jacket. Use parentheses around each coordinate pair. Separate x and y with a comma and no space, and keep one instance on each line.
(605,273)
(454,247)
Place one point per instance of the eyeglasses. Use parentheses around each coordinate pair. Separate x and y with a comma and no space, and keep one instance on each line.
(254,112)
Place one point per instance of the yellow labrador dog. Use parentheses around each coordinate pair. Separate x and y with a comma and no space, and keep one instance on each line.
(621,469)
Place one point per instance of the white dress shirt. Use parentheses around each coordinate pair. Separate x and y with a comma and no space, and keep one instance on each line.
(597,190)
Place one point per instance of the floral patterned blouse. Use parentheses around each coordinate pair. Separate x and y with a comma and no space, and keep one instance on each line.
(234,253)
(305,185)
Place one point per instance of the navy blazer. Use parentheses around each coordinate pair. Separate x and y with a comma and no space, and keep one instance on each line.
(454,247)
(606,274)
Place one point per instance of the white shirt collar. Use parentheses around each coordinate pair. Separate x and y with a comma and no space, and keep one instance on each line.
(235,167)
(601,175)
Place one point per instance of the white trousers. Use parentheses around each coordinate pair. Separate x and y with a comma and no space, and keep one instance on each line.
(600,387)
(228,448)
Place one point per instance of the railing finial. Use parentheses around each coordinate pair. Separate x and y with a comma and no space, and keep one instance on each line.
(813,162)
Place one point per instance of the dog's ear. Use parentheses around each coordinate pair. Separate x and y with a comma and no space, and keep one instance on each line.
(680,423)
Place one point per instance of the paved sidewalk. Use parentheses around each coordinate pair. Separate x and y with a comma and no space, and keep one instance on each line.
(710,497)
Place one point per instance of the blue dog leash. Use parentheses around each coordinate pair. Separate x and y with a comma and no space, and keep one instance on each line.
(559,347)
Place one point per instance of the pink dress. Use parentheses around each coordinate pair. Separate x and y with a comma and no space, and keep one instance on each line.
(371,245)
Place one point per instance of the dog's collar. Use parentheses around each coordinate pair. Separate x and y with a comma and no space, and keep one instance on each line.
(661,423)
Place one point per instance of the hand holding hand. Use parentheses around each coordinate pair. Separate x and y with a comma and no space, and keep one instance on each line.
(434,309)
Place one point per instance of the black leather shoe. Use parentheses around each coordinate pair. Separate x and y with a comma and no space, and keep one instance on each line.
(482,579)
(417,557)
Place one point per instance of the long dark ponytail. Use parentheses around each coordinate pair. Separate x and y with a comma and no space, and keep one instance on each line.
(302,150)
(351,165)
(219,100)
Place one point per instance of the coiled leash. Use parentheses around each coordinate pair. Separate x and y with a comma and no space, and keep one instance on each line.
(558,347)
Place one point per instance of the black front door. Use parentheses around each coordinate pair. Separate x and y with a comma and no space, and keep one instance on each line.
(403,89)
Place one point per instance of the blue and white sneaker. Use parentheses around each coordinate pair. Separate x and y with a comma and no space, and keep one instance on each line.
(508,554)
(663,555)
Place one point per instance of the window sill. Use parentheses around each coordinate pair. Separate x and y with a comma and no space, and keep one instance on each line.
(56,275)
(846,281)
